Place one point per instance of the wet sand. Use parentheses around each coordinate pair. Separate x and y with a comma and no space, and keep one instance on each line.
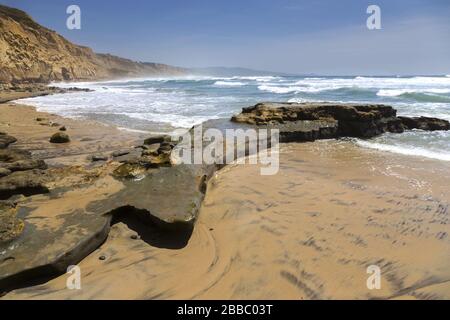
(308,232)
(87,137)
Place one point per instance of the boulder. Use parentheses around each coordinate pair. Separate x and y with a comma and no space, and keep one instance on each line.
(63,128)
(59,137)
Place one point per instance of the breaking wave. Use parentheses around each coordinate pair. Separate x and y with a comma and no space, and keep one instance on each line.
(229,84)
(161,104)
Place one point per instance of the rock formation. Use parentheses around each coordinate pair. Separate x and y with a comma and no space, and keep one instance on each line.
(20,174)
(311,121)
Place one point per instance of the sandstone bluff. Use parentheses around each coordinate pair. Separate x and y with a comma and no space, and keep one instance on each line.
(30,52)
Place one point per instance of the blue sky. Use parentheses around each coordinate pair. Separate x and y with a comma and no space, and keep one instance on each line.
(320,36)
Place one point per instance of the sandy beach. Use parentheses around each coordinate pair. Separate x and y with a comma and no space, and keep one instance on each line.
(309,232)
(227,151)
(88,137)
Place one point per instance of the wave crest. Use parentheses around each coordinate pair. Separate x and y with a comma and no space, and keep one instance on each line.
(412,151)
(229,84)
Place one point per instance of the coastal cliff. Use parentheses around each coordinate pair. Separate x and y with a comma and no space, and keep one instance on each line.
(30,52)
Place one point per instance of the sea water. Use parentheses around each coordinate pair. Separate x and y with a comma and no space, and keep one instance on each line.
(163,104)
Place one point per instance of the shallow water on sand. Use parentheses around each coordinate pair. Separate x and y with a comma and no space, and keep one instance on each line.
(308,232)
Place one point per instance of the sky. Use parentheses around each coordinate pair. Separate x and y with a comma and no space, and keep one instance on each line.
(325,37)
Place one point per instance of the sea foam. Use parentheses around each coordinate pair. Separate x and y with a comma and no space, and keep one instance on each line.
(185,101)
(409,151)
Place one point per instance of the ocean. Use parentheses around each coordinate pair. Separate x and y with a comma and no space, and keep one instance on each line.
(163,104)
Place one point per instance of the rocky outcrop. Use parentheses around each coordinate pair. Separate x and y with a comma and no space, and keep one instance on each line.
(310,121)
(26,183)
(30,52)
(425,123)
(35,252)
(153,154)
(21,174)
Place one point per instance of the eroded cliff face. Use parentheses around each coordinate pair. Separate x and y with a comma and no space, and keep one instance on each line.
(30,52)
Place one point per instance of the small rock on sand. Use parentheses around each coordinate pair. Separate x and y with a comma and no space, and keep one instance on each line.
(60,137)
(120,153)
(98,157)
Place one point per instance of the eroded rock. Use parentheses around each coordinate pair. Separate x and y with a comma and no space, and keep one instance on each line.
(425,123)
(157,139)
(10,226)
(24,165)
(352,120)
(23,182)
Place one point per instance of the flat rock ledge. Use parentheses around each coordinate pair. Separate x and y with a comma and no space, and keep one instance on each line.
(311,121)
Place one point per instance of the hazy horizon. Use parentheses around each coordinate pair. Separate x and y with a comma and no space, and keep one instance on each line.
(293,37)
